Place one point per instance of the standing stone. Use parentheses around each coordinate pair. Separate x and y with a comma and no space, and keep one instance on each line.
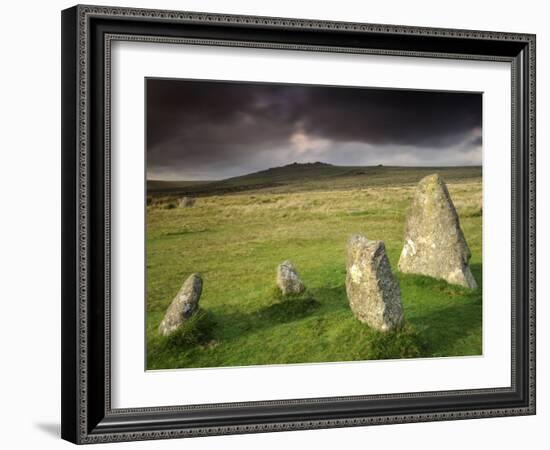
(373,292)
(288,280)
(434,242)
(184,305)
(186,202)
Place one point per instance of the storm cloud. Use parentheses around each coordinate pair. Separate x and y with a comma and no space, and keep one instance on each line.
(199,130)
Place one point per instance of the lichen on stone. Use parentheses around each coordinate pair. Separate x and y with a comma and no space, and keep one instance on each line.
(288,280)
(183,306)
(373,292)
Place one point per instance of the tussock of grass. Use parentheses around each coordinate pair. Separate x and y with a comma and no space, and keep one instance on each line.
(197,330)
(276,295)
(403,343)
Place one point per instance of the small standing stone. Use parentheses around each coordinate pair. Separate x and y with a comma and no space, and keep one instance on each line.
(434,242)
(184,305)
(373,292)
(288,280)
(186,202)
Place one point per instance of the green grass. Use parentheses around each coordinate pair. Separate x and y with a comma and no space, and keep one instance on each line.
(236,242)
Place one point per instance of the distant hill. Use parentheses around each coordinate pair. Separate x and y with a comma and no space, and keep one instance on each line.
(312,176)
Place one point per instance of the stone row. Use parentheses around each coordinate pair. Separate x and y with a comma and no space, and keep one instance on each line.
(434,245)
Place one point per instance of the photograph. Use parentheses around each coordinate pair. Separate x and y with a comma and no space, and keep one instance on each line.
(296,223)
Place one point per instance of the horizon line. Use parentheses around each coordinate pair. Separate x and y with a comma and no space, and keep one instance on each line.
(310,163)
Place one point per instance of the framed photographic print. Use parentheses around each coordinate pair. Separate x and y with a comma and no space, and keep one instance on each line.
(275,224)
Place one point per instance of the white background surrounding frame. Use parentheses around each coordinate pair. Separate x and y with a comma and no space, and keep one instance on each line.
(31,236)
(134,387)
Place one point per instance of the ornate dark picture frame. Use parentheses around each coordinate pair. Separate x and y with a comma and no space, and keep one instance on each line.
(87,34)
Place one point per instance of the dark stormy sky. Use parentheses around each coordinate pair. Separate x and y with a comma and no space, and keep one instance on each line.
(204,130)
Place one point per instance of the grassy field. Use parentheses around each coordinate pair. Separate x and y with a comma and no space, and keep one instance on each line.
(239,230)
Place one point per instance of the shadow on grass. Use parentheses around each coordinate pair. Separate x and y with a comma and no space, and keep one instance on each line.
(446,316)
(287,310)
(197,330)
(280,310)
(332,298)
(443,329)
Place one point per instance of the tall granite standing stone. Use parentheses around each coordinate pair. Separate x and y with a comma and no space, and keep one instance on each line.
(434,242)
(373,292)
(288,280)
(184,305)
